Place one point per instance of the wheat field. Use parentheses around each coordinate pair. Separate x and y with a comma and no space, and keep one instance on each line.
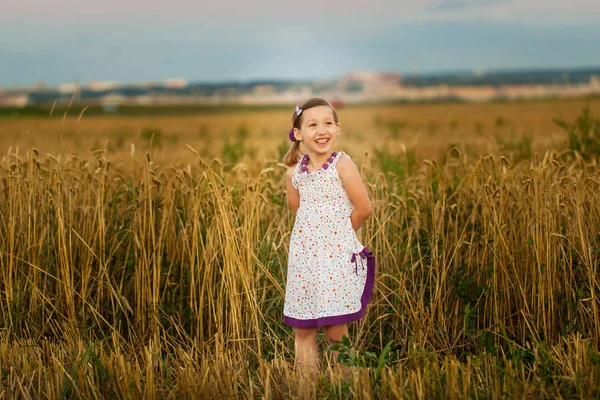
(145,257)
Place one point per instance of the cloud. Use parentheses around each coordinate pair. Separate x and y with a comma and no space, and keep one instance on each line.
(452,5)
(202,41)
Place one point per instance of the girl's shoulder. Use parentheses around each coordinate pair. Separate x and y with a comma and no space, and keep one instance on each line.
(344,162)
(289,173)
(291,170)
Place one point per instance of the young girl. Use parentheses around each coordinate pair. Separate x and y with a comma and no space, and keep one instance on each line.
(330,273)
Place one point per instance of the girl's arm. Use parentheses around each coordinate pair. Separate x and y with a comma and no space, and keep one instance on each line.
(293,197)
(356,191)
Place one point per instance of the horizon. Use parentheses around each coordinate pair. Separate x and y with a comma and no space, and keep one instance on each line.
(231,41)
(404,75)
(332,78)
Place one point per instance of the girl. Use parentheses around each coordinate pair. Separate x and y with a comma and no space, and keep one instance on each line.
(330,273)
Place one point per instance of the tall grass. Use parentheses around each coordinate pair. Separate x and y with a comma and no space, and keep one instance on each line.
(125,279)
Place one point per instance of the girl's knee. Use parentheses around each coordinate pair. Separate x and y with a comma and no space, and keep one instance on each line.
(336,333)
(333,338)
(305,333)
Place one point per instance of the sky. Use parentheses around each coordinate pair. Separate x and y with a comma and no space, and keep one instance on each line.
(56,41)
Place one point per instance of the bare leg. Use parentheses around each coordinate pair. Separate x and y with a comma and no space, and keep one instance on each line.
(334,333)
(306,349)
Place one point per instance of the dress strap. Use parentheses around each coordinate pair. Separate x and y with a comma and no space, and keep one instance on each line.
(297,167)
(337,157)
(296,175)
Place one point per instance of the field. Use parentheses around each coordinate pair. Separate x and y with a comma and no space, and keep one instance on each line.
(145,256)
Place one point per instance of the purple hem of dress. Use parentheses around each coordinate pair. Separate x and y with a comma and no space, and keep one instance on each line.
(342,319)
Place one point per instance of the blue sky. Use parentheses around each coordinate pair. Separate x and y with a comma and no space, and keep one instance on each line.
(234,40)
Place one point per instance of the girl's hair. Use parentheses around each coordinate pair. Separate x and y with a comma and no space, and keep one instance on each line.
(294,154)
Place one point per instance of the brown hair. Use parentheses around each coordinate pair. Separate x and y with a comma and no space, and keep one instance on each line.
(293,155)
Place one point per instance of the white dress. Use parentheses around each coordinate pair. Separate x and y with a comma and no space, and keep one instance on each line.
(330,273)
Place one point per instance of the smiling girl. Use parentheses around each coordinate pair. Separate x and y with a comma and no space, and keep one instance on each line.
(330,273)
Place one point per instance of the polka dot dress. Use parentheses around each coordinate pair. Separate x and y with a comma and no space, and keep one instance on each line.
(330,273)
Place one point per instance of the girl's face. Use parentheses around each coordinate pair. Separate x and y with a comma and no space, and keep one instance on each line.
(318,131)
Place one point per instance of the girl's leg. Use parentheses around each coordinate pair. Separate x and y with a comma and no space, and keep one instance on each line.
(334,333)
(306,349)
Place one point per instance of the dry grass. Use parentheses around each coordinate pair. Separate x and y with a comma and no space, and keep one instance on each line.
(127,274)
(428,129)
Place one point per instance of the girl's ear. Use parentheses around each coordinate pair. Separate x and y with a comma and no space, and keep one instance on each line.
(339,128)
(297,134)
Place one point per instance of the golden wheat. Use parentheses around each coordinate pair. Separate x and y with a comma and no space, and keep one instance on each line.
(126,276)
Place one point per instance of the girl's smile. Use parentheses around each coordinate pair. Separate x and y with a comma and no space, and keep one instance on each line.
(318,132)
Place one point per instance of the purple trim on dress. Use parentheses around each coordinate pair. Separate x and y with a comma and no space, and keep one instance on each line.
(342,319)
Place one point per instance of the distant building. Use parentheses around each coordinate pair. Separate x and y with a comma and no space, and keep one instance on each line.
(263,90)
(176,83)
(24,89)
(143,100)
(18,101)
(40,86)
(425,93)
(474,93)
(302,91)
(111,102)
(67,88)
(96,86)
(523,91)
(370,82)
(147,85)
